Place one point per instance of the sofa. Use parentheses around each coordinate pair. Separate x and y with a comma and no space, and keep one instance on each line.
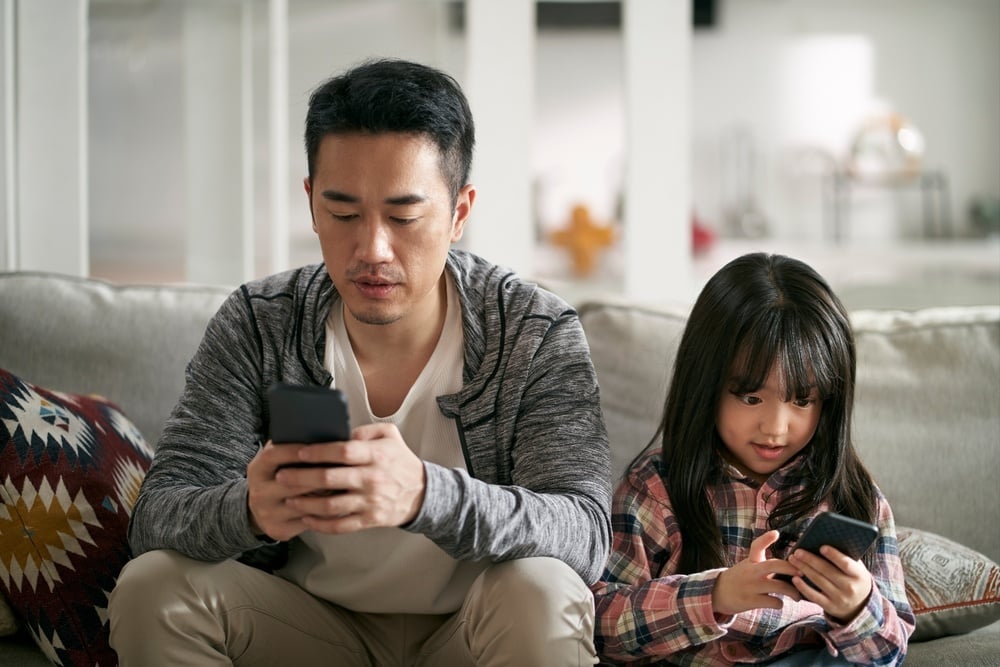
(927,425)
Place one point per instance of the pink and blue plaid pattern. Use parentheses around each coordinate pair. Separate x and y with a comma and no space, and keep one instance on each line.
(648,614)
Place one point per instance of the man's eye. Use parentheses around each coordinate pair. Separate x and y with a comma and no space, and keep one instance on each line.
(344,217)
(403,221)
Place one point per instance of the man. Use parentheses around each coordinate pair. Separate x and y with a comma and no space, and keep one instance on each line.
(469,510)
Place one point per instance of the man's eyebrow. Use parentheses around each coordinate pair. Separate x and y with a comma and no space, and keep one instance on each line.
(406,200)
(336,195)
(399,200)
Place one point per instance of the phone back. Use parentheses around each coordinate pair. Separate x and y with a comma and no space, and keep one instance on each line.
(307,414)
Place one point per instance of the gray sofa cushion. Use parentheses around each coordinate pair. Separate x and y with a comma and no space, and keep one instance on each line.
(927,406)
(129,344)
(928,418)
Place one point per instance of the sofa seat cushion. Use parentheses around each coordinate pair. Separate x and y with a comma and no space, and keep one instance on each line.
(71,470)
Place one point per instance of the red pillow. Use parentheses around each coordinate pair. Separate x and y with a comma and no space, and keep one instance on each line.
(71,469)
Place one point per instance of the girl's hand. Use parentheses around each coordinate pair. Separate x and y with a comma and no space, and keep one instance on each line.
(748,585)
(843,584)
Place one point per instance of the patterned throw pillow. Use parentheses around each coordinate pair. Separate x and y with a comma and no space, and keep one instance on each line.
(70,469)
(8,624)
(952,589)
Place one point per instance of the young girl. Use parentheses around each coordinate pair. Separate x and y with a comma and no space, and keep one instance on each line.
(756,441)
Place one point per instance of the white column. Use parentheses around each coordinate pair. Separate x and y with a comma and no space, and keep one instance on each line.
(278,153)
(50,137)
(8,165)
(657,38)
(247,141)
(499,81)
(213,143)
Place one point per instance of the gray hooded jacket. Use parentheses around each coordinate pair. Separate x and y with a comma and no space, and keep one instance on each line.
(528,417)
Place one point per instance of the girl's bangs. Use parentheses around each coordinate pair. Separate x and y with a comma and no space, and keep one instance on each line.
(799,350)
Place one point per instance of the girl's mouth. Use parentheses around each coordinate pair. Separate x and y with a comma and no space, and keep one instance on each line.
(768,452)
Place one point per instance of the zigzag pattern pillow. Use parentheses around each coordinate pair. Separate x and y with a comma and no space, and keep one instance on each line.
(70,470)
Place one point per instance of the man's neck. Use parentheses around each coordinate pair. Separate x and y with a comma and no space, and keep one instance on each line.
(391,356)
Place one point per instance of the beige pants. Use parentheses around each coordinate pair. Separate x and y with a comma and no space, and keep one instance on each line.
(171,610)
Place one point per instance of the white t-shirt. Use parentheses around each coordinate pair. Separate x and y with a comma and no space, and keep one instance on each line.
(389,570)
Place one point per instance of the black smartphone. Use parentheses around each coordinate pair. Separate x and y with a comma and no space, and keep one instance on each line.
(849,536)
(307,414)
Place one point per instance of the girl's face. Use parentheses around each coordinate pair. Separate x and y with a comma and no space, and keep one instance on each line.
(761,430)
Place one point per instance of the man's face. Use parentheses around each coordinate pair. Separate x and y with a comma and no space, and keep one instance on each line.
(385,221)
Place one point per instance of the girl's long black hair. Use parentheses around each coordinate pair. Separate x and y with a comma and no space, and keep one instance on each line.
(757,309)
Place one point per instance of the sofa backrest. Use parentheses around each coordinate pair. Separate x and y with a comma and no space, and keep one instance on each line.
(927,406)
(127,343)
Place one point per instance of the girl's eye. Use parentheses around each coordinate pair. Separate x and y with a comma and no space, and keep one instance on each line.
(804,402)
(749,399)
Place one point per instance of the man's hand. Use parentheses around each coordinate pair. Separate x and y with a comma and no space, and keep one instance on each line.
(373,480)
(267,506)
(747,585)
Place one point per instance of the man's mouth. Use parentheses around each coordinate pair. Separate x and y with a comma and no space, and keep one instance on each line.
(374,288)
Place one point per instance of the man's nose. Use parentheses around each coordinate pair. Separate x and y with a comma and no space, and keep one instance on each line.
(375,242)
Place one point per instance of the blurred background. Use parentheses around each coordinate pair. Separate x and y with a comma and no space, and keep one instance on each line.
(625,148)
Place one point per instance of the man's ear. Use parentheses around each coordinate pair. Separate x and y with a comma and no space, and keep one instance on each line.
(463,207)
(307,186)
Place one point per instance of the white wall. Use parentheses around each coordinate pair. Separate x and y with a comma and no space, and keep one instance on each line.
(138,203)
(45,142)
(936,62)
(138,142)
(325,39)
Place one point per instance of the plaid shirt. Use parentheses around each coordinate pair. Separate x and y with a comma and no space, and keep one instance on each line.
(647,614)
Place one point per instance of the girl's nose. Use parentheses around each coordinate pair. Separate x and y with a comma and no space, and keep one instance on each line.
(774,422)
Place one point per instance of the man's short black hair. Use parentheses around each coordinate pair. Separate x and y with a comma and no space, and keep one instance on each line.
(391,95)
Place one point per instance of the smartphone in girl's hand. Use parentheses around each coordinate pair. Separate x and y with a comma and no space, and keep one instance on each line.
(849,536)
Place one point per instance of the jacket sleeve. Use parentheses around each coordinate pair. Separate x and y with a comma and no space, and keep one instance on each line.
(194,498)
(644,611)
(545,437)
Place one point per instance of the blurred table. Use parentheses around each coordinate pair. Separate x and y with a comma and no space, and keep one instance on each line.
(935,203)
